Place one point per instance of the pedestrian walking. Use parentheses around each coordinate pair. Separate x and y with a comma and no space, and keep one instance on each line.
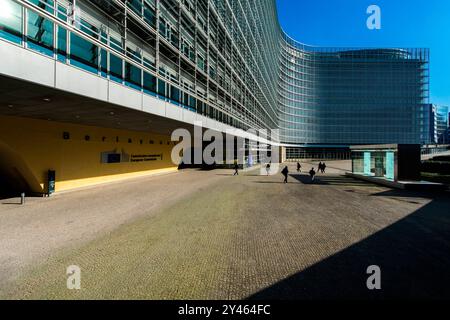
(324,167)
(285,173)
(312,174)
(236,169)
(299,167)
(268,169)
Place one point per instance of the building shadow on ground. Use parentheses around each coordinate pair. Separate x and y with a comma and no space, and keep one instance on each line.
(4,196)
(14,199)
(274,182)
(413,255)
(330,180)
(11,203)
(438,194)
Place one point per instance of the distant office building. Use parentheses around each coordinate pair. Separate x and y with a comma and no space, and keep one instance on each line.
(428,125)
(446,138)
(442,117)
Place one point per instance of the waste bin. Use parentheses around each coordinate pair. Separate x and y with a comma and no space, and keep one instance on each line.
(51,182)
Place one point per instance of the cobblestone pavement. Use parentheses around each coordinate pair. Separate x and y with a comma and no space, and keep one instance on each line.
(225,237)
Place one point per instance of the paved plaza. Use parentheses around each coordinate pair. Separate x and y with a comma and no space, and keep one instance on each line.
(208,235)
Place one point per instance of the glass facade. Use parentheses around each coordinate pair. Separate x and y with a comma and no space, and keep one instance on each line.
(317,152)
(392,162)
(442,124)
(428,124)
(380,164)
(11,21)
(231,61)
(347,96)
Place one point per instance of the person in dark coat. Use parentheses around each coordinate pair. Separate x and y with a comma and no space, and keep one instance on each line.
(319,167)
(312,174)
(285,173)
(299,167)
(236,169)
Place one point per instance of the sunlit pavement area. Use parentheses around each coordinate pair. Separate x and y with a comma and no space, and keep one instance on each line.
(208,235)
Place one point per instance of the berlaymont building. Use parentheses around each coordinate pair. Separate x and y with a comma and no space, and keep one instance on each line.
(91,90)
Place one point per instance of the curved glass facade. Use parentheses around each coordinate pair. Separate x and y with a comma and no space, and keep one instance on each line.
(351,96)
(231,61)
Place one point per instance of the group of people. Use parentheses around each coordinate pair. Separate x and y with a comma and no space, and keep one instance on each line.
(285,172)
(236,169)
(312,173)
(322,167)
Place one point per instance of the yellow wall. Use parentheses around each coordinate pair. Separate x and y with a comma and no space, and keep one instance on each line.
(35,146)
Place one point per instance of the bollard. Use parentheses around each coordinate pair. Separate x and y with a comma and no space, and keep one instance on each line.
(22,198)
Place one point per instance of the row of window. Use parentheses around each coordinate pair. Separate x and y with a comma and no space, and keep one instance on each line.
(178,31)
(43,36)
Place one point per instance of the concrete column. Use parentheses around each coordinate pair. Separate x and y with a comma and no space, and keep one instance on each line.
(282,154)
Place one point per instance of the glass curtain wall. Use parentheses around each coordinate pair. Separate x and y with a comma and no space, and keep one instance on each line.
(217,58)
(351,96)
(231,61)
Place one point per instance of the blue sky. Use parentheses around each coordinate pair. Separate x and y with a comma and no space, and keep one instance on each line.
(405,23)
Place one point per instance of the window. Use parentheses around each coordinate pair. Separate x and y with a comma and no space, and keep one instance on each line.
(11,21)
(62,44)
(174,94)
(192,102)
(62,35)
(103,62)
(115,68)
(161,87)
(47,5)
(39,33)
(133,76)
(136,6)
(83,54)
(149,83)
(200,107)
(116,44)
(149,15)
